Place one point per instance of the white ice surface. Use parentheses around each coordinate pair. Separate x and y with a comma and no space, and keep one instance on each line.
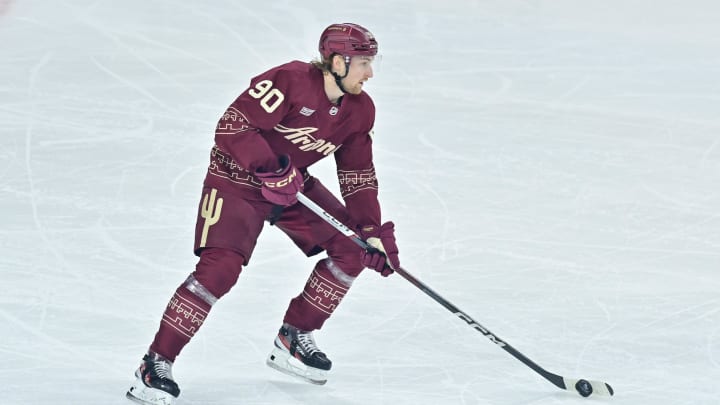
(552,167)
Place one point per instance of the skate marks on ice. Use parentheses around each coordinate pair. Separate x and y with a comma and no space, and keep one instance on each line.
(559,185)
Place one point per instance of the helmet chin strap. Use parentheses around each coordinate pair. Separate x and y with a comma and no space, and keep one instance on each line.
(338,78)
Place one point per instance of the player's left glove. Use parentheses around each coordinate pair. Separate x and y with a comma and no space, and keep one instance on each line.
(383,257)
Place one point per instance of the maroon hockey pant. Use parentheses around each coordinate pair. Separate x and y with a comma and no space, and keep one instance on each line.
(227,229)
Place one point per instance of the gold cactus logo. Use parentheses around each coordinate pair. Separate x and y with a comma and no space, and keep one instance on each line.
(210,211)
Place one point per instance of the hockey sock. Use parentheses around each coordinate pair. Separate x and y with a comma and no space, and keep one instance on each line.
(324,289)
(215,274)
(184,315)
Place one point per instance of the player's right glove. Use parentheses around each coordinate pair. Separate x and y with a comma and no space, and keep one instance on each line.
(281,186)
(383,257)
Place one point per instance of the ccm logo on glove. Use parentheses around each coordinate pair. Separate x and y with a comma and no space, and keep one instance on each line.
(281,186)
(284,182)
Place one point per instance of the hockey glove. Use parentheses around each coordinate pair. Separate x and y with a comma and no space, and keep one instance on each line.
(281,186)
(383,257)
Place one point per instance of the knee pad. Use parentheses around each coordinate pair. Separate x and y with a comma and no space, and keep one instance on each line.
(217,271)
(344,256)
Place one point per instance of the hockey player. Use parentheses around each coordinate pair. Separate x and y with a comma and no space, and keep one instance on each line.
(289,118)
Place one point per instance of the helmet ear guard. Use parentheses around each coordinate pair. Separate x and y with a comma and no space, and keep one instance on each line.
(338,77)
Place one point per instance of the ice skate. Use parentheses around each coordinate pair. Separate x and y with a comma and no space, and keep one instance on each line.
(154,384)
(296,354)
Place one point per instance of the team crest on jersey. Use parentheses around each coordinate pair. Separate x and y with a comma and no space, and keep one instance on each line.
(306,111)
(333,110)
(305,141)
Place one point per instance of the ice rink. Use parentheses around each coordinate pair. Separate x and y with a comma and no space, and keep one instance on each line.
(552,168)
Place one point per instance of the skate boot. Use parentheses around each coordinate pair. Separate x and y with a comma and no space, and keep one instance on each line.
(154,384)
(296,354)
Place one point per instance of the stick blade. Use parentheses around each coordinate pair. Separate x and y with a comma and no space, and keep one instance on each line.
(589,387)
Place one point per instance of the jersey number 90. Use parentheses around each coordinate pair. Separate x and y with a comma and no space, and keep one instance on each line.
(270,98)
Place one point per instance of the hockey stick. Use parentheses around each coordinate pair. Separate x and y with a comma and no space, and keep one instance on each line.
(583,387)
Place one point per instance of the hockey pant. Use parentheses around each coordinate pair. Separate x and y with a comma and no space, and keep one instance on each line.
(227,229)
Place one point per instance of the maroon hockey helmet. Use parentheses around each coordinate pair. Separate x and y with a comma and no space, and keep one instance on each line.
(347,39)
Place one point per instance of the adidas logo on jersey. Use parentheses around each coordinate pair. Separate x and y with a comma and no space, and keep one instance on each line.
(306,111)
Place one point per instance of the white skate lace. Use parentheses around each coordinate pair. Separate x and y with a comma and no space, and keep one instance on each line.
(306,341)
(163,369)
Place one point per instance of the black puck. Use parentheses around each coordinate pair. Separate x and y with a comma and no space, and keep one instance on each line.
(583,388)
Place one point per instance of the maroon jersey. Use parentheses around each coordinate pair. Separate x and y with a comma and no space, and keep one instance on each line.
(286,111)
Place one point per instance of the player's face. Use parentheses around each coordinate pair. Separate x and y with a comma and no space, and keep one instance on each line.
(359,72)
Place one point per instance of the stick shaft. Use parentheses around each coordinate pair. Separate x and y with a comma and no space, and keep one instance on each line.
(553,378)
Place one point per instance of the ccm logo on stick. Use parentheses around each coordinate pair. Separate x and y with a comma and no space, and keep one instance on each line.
(482,330)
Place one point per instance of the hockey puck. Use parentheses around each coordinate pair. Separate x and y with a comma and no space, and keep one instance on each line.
(583,388)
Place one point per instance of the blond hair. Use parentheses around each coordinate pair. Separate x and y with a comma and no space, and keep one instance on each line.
(322,64)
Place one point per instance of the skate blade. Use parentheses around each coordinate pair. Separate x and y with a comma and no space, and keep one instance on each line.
(145,395)
(283,362)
